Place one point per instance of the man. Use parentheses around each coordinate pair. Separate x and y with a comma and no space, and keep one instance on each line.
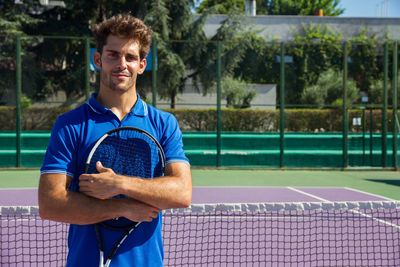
(68,195)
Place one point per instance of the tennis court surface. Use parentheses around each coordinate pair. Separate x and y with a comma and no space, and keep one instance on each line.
(235,226)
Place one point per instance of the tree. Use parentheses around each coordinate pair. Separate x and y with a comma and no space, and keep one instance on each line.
(278,7)
(260,64)
(364,66)
(235,93)
(57,63)
(63,59)
(14,21)
(185,54)
(314,52)
(171,21)
(328,90)
(222,6)
(302,7)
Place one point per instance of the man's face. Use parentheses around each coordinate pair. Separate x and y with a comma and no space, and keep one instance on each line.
(119,64)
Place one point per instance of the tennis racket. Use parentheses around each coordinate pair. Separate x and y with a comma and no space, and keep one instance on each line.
(127,151)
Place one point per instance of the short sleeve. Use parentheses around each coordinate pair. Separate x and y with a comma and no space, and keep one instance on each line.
(172,141)
(59,157)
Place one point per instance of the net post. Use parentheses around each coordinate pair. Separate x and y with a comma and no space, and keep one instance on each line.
(18,100)
(345,129)
(282,108)
(385,103)
(394,105)
(154,74)
(218,104)
(87,68)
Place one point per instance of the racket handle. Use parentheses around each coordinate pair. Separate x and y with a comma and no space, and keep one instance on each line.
(101,259)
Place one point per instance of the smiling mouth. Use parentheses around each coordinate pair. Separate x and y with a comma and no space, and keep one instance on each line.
(121,75)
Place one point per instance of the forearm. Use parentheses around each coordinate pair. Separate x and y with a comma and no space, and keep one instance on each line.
(164,193)
(174,190)
(76,208)
(59,204)
(171,191)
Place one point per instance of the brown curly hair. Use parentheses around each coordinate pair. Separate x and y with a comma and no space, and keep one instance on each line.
(123,26)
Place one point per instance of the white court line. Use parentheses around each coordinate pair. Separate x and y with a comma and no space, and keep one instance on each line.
(370,194)
(308,194)
(354,211)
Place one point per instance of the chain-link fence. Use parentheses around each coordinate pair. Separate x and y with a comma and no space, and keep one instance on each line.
(244,104)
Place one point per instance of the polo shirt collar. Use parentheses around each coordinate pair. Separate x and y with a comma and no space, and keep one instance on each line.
(95,105)
(140,108)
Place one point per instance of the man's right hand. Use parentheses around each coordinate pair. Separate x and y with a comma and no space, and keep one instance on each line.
(138,211)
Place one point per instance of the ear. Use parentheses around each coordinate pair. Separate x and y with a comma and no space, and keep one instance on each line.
(143,64)
(97,59)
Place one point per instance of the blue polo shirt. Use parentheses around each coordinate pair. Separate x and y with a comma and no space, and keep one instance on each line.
(72,137)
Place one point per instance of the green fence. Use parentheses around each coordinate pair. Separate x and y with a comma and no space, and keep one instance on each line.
(249,150)
(41,66)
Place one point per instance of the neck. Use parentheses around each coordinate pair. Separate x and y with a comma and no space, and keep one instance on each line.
(120,103)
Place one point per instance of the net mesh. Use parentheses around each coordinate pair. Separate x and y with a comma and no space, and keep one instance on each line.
(261,234)
(26,240)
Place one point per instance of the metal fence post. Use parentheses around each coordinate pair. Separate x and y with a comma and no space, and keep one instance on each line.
(154,74)
(395,119)
(385,104)
(282,108)
(345,115)
(218,103)
(87,68)
(18,100)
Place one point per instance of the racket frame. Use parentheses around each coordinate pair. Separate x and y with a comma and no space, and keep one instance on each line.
(131,228)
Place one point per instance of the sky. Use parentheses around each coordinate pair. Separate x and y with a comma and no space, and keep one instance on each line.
(371,8)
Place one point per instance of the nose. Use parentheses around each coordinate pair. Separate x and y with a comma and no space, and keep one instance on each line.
(122,63)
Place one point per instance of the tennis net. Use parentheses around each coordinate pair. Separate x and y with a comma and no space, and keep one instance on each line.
(259,234)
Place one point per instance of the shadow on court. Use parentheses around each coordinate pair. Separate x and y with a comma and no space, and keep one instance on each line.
(385,181)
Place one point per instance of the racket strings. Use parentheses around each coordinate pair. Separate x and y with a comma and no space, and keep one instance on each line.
(131,153)
(128,153)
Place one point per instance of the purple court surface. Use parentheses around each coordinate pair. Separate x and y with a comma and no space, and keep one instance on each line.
(203,195)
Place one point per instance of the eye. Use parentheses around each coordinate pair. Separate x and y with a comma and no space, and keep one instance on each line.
(131,58)
(112,55)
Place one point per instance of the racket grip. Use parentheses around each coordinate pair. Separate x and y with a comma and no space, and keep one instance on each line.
(101,259)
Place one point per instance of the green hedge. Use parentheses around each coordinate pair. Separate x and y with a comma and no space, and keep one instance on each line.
(232,119)
(255,120)
(33,118)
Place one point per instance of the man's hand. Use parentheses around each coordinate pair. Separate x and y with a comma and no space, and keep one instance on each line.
(138,211)
(102,185)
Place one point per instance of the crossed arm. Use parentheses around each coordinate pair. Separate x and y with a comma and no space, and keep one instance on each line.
(92,204)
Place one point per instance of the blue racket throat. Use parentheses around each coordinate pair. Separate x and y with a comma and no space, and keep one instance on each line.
(131,152)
